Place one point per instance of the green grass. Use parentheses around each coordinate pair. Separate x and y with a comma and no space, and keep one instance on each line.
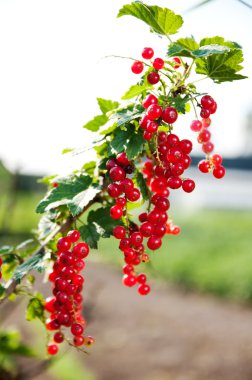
(212,254)
(21,218)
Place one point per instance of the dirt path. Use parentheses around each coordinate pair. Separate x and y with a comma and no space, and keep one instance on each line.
(165,336)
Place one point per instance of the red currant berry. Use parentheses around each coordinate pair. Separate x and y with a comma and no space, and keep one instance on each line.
(147,53)
(58,337)
(152,127)
(122,159)
(216,159)
(208,147)
(174,182)
(204,136)
(150,99)
(196,125)
(143,217)
(160,230)
(64,244)
(177,169)
(111,164)
(127,269)
(206,123)
(188,185)
(124,244)
(77,329)
(185,146)
(119,232)
(158,63)
(141,278)
(52,349)
(133,195)
(162,137)
(129,280)
(136,239)
(116,212)
(144,289)
(113,190)
(154,111)
(137,67)
(154,242)
(204,113)
(143,122)
(81,250)
(121,202)
(153,77)
(74,236)
(204,166)
(78,340)
(147,135)
(117,173)
(219,172)
(213,108)
(162,204)
(146,229)
(49,304)
(169,115)
(207,101)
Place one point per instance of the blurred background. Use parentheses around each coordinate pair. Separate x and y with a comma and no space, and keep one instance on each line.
(197,322)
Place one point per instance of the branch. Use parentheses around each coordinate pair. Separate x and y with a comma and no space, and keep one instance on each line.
(12,283)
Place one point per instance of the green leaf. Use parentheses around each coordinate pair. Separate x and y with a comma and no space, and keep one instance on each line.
(102,220)
(221,68)
(162,21)
(67,150)
(78,203)
(179,103)
(136,90)
(68,188)
(129,141)
(107,105)
(219,41)
(182,47)
(89,168)
(6,249)
(126,115)
(35,309)
(34,262)
(207,50)
(2,290)
(10,343)
(97,122)
(46,226)
(89,234)
(141,182)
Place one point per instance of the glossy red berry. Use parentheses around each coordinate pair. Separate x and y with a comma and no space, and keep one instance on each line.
(136,238)
(122,159)
(144,289)
(204,113)
(147,135)
(174,182)
(219,172)
(121,202)
(137,67)
(129,280)
(188,185)
(185,146)
(151,127)
(213,108)
(169,115)
(52,349)
(113,190)
(207,101)
(133,194)
(141,278)
(196,125)
(117,173)
(154,111)
(119,232)
(147,53)
(111,163)
(216,159)
(74,236)
(153,77)
(81,250)
(77,329)
(116,212)
(78,340)
(58,337)
(208,147)
(204,136)
(204,166)
(150,99)
(146,229)
(154,242)
(64,244)
(162,204)
(158,63)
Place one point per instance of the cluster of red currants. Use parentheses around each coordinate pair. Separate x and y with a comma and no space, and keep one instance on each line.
(155,112)
(211,163)
(130,238)
(66,304)
(157,64)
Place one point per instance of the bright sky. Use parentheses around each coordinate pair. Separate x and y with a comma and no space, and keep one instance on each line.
(52,69)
